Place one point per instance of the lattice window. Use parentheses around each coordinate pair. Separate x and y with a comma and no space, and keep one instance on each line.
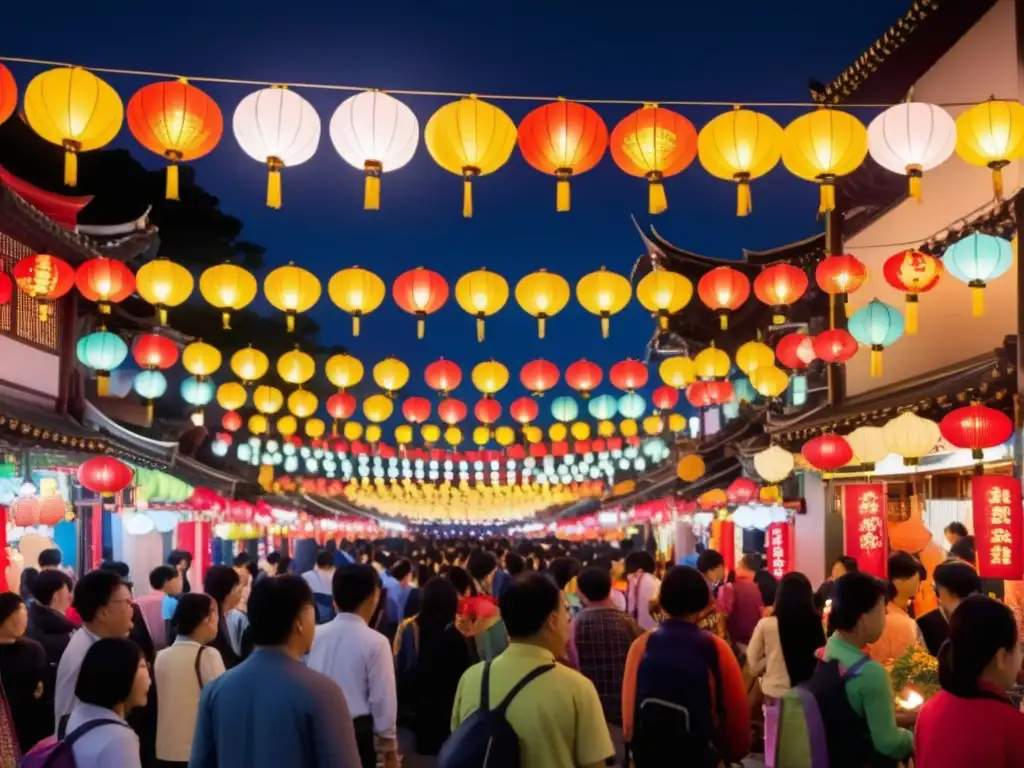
(20,318)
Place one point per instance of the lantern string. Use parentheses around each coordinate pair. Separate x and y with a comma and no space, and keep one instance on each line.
(465,94)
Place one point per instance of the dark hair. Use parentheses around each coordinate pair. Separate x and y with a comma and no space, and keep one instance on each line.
(9,603)
(959,578)
(108,672)
(799,623)
(903,566)
(94,591)
(49,558)
(481,564)
(284,563)
(684,592)
(460,579)
(274,605)
(794,594)
(848,563)
(853,595)
(708,560)
(594,583)
(424,574)
(640,560)
(352,584)
(275,557)
(978,628)
(439,605)
(48,584)
(956,528)
(401,569)
(118,567)
(527,602)
(562,570)
(324,559)
(219,581)
(192,610)
(179,556)
(160,575)
(752,561)
(241,560)
(28,579)
(965,550)
(514,563)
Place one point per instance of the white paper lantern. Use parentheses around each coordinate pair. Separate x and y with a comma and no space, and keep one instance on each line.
(910,436)
(377,133)
(779,513)
(277,127)
(743,517)
(762,516)
(912,138)
(773,464)
(868,444)
(163,520)
(137,524)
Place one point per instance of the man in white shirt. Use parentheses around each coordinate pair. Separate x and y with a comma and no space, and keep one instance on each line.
(320,579)
(104,602)
(359,659)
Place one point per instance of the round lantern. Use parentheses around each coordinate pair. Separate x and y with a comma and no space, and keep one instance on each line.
(489,377)
(654,143)
(356,291)
(991,134)
(827,453)
(258,424)
(840,276)
(291,290)
(723,290)
(231,421)
(101,352)
(177,121)
(664,293)
(877,325)
(711,363)
(702,394)
(8,93)
(773,464)
(914,273)
(403,434)
(742,490)
(391,374)
(286,426)
(197,393)
(487,411)
(504,436)
(976,260)
(583,376)
(604,294)
(677,422)
(296,367)
(628,375)
(163,284)
(104,475)
(200,359)
(231,396)
(442,376)
(416,410)
(779,286)
(606,428)
(543,295)
(690,468)
(481,294)
(795,350)
(430,433)
(343,371)
(451,411)
(976,427)
(6,287)
(822,145)
(868,445)
(453,436)
(378,408)
(152,351)
(910,436)
(711,500)
(25,510)
(353,430)
(653,425)
(769,381)
(51,510)
(740,146)
(470,138)
(44,278)
(420,292)
(315,428)
(911,138)
(104,281)
(754,355)
(565,409)
(835,346)
(268,400)
(278,127)
(481,436)
(149,385)
(665,398)
(538,376)
(628,428)
(603,407)
(73,109)
(249,364)
(376,133)
(524,410)
(341,406)
(677,372)
(303,403)
(229,288)
(632,406)
(534,435)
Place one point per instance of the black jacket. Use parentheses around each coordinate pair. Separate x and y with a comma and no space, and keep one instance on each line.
(935,629)
(52,630)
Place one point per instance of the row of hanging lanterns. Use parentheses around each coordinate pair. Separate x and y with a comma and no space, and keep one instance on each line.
(376,133)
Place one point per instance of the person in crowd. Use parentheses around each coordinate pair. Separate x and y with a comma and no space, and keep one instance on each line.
(783,647)
(271,710)
(424,573)
(711,565)
(965,550)
(957,531)
(954,582)
(767,584)
(843,564)
(139,631)
(320,577)
(502,577)
(482,566)
(222,583)
(641,587)
(181,672)
(558,714)
(514,565)
(49,627)
(360,661)
(479,617)
(741,601)
(104,602)
(564,570)
(22,671)
(901,631)
(157,608)
(399,591)
(49,559)
(181,561)
(971,721)
(617,596)
(28,578)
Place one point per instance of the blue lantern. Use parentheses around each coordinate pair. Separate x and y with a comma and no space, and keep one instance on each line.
(632,406)
(603,407)
(976,260)
(743,390)
(101,352)
(198,393)
(149,385)
(564,409)
(876,325)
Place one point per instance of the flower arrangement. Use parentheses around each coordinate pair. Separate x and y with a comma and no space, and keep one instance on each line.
(916,670)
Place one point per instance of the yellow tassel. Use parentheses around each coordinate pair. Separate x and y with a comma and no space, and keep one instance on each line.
(876,362)
(355,324)
(977,300)
(479,328)
(161,315)
(847,307)
(103,307)
(744,204)
(171,191)
(103,384)
(656,200)
(832,311)
(467,198)
(723,321)
(827,197)
(289,320)
(225,321)
(274,167)
(71,163)
(371,191)
(997,181)
(663,319)
(562,195)
(778,319)
(421,327)
(911,313)
(149,411)
(605,326)
(541,326)
(915,183)
(334,428)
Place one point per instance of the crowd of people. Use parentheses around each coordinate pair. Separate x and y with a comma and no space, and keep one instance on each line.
(539,654)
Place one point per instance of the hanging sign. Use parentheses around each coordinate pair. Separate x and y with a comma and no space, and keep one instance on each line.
(723,539)
(779,547)
(865,534)
(998,526)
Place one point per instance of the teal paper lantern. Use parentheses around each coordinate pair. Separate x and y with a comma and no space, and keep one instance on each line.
(149,385)
(101,352)
(603,407)
(976,260)
(565,409)
(198,393)
(743,391)
(876,325)
(632,406)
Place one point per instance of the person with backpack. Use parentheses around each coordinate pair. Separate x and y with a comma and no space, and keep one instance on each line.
(182,671)
(521,708)
(319,579)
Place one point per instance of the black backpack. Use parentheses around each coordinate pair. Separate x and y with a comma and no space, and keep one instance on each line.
(485,739)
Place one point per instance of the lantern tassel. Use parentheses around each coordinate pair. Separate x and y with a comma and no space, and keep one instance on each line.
(355,324)
(778,318)
(744,204)
(847,307)
(723,321)
(562,195)
(161,315)
(657,202)
(71,149)
(103,307)
(225,321)
(832,311)
(467,190)
(605,325)
(914,184)
(289,321)
(541,325)
(371,188)
(334,428)
(997,181)
(663,319)
(977,300)
(149,412)
(479,328)
(876,362)
(171,190)
(827,197)
(421,327)
(911,314)
(274,166)
(103,384)
(44,311)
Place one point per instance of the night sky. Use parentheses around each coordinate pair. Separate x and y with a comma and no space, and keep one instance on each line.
(747,49)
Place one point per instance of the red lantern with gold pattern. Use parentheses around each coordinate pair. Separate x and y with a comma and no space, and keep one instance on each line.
(451,411)
(723,290)
(827,453)
(628,375)
(584,376)
(539,376)
(779,286)
(416,410)
(105,281)
(154,352)
(976,427)
(443,376)
(487,410)
(104,475)
(8,93)
(524,410)
(795,351)
(835,346)
(914,273)
(231,421)
(44,278)
(25,511)
(665,398)
(420,292)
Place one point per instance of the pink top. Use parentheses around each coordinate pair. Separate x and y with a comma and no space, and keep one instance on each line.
(151,606)
(641,589)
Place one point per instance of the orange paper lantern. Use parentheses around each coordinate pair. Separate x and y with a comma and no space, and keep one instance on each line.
(654,143)
(8,93)
(105,281)
(779,286)
(420,292)
(840,276)
(723,290)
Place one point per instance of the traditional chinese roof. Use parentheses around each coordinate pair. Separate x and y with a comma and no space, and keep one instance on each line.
(35,426)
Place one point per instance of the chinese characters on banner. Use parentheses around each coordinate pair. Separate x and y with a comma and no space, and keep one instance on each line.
(998,526)
(779,547)
(865,534)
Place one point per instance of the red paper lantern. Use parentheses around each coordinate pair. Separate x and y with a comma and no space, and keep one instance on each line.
(723,290)
(720,392)
(704,394)
(451,411)
(914,273)
(835,346)
(487,411)
(795,350)
(104,475)
(44,278)
(420,292)
(840,276)
(779,286)
(8,93)
(827,452)
(443,376)
(539,376)
(742,490)
(416,410)
(231,421)
(977,427)
(154,352)
(51,510)
(25,510)
(226,438)
(105,281)
(665,398)
(524,410)
(583,376)
(628,375)
(6,288)
(341,405)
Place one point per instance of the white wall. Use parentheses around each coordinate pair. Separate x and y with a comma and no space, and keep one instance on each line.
(29,367)
(983,63)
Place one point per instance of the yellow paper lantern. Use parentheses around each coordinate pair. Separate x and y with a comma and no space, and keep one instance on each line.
(291,290)
(580,430)
(469,138)
(373,433)
(229,288)
(73,109)
(163,284)
(391,374)
(481,436)
(769,381)
(378,408)
(200,359)
(231,396)
(481,294)
(533,434)
(754,355)
(295,367)
(352,430)
(356,291)
(315,428)
(542,294)
(558,432)
(430,433)
(604,294)
(453,436)
(910,436)
(286,426)
(653,425)
(711,363)
(677,372)
(690,468)
(740,146)
(664,293)
(267,399)
(716,498)
(991,134)
(628,428)
(822,145)
(249,364)
(868,444)
(606,428)
(403,434)
(504,436)
(302,403)
(343,371)
(257,424)
(490,377)
(676,422)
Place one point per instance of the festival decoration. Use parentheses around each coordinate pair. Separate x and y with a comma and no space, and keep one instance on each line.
(628,375)
(8,94)
(451,411)
(200,359)
(177,121)
(663,293)
(827,452)
(150,385)
(604,294)
(704,394)
(6,287)
(489,377)
(303,403)
(356,291)
(267,400)
(278,127)
(340,406)
(754,355)
(430,433)
(296,367)
(453,436)
(911,138)
(152,351)
(416,410)
(250,364)
(742,490)
(628,428)
(835,346)
(677,372)
(711,363)
(104,281)
(822,145)
(231,396)
(481,293)
(632,406)
(976,260)
(653,425)
(914,273)
(868,445)
(538,376)
(795,350)
(840,276)
(583,376)
(231,421)
(910,436)
(565,409)
(740,146)
(769,381)
(991,134)
(373,433)
(258,424)
(163,284)
(197,392)
(603,407)
(420,292)
(722,290)
(391,374)
(779,286)
(104,475)
(24,508)
(376,408)
(343,371)
(292,290)
(286,426)
(779,549)
(73,109)
(487,411)
(314,428)
(229,288)
(653,143)
(562,139)
(773,464)
(377,133)
(665,398)
(976,427)
(470,138)
(524,410)
(101,352)
(442,376)
(876,325)
(865,528)
(542,294)
(690,468)
(352,430)
(44,278)
(998,526)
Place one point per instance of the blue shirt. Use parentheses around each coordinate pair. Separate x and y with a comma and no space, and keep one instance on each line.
(167,607)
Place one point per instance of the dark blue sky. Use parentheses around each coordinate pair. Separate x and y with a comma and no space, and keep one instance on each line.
(746,49)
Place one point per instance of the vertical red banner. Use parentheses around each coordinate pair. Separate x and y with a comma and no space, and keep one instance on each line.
(865,533)
(998,526)
(778,544)
(727,542)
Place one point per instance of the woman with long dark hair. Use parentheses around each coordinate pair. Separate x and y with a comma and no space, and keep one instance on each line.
(783,646)
(223,584)
(971,721)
